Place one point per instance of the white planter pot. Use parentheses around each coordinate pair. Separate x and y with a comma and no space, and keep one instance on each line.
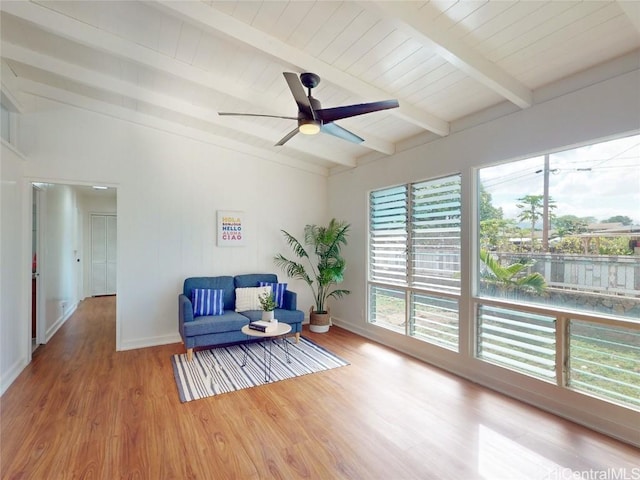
(319,322)
(267,316)
(319,328)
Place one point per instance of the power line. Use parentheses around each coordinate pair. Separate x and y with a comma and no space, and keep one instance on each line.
(519,175)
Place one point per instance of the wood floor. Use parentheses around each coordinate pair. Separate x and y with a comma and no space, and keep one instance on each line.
(82,410)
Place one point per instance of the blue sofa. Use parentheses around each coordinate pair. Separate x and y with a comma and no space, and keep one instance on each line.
(205,331)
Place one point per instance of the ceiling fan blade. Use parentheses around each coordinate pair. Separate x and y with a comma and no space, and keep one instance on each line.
(338,131)
(298,94)
(287,137)
(255,115)
(331,114)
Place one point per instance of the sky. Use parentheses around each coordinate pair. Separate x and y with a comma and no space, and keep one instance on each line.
(600,181)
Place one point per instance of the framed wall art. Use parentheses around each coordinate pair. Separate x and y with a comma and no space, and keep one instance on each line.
(231,228)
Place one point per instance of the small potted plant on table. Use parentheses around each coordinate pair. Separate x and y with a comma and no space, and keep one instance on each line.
(268,304)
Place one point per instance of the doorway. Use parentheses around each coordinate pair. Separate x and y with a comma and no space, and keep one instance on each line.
(37,333)
(103,254)
(61,257)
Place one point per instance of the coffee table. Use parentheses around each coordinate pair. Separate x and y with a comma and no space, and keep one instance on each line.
(270,337)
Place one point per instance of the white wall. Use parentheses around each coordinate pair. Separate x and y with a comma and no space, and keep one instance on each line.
(14,320)
(601,110)
(169,189)
(57,261)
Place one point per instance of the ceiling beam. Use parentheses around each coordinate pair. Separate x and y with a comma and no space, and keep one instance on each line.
(122,113)
(215,21)
(106,42)
(632,10)
(9,86)
(110,84)
(453,50)
(101,40)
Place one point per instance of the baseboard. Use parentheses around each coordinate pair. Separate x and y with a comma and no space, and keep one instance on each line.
(12,373)
(51,331)
(149,342)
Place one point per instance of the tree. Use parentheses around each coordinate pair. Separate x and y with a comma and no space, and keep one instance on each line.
(487,210)
(511,277)
(532,207)
(570,225)
(569,245)
(495,233)
(623,219)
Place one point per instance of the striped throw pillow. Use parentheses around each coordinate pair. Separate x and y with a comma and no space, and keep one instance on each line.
(207,301)
(277,290)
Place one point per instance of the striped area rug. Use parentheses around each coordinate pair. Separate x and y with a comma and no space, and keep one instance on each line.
(220,370)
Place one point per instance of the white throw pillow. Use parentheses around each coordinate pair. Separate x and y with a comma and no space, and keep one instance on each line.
(248,298)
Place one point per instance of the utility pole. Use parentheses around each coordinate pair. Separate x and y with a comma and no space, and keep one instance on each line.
(545,207)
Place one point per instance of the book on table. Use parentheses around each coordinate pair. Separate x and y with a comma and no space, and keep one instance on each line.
(262,326)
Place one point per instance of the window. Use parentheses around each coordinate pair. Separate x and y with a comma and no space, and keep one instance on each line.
(559,236)
(435,234)
(517,340)
(556,291)
(604,361)
(414,259)
(388,236)
(562,229)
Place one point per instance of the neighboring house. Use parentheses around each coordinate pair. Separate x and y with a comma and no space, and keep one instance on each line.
(597,231)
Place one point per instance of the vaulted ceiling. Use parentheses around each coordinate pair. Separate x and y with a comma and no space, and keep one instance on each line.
(174,65)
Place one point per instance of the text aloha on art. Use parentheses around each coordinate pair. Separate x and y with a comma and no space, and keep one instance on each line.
(231,228)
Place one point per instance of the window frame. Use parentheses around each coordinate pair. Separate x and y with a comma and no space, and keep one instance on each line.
(470,300)
(407,286)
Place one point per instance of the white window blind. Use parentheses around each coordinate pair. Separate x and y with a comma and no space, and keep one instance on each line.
(388,236)
(435,234)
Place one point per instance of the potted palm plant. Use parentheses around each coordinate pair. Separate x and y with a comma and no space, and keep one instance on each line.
(325,263)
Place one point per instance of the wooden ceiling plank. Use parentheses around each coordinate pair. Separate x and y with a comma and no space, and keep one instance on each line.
(291,19)
(580,24)
(82,34)
(350,36)
(312,22)
(421,67)
(483,22)
(395,43)
(561,23)
(208,18)
(122,113)
(522,31)
(459,12)
(457,53)
(578,51)
(335,26)
(268,15)
(188,43)
(126,89)
(632,11)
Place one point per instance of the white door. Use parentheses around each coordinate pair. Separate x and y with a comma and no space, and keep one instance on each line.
(103,254)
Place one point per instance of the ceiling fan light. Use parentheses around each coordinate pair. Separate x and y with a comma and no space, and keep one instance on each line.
(309,127)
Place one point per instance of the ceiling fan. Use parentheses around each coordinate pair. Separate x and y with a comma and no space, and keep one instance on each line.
(312,118)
